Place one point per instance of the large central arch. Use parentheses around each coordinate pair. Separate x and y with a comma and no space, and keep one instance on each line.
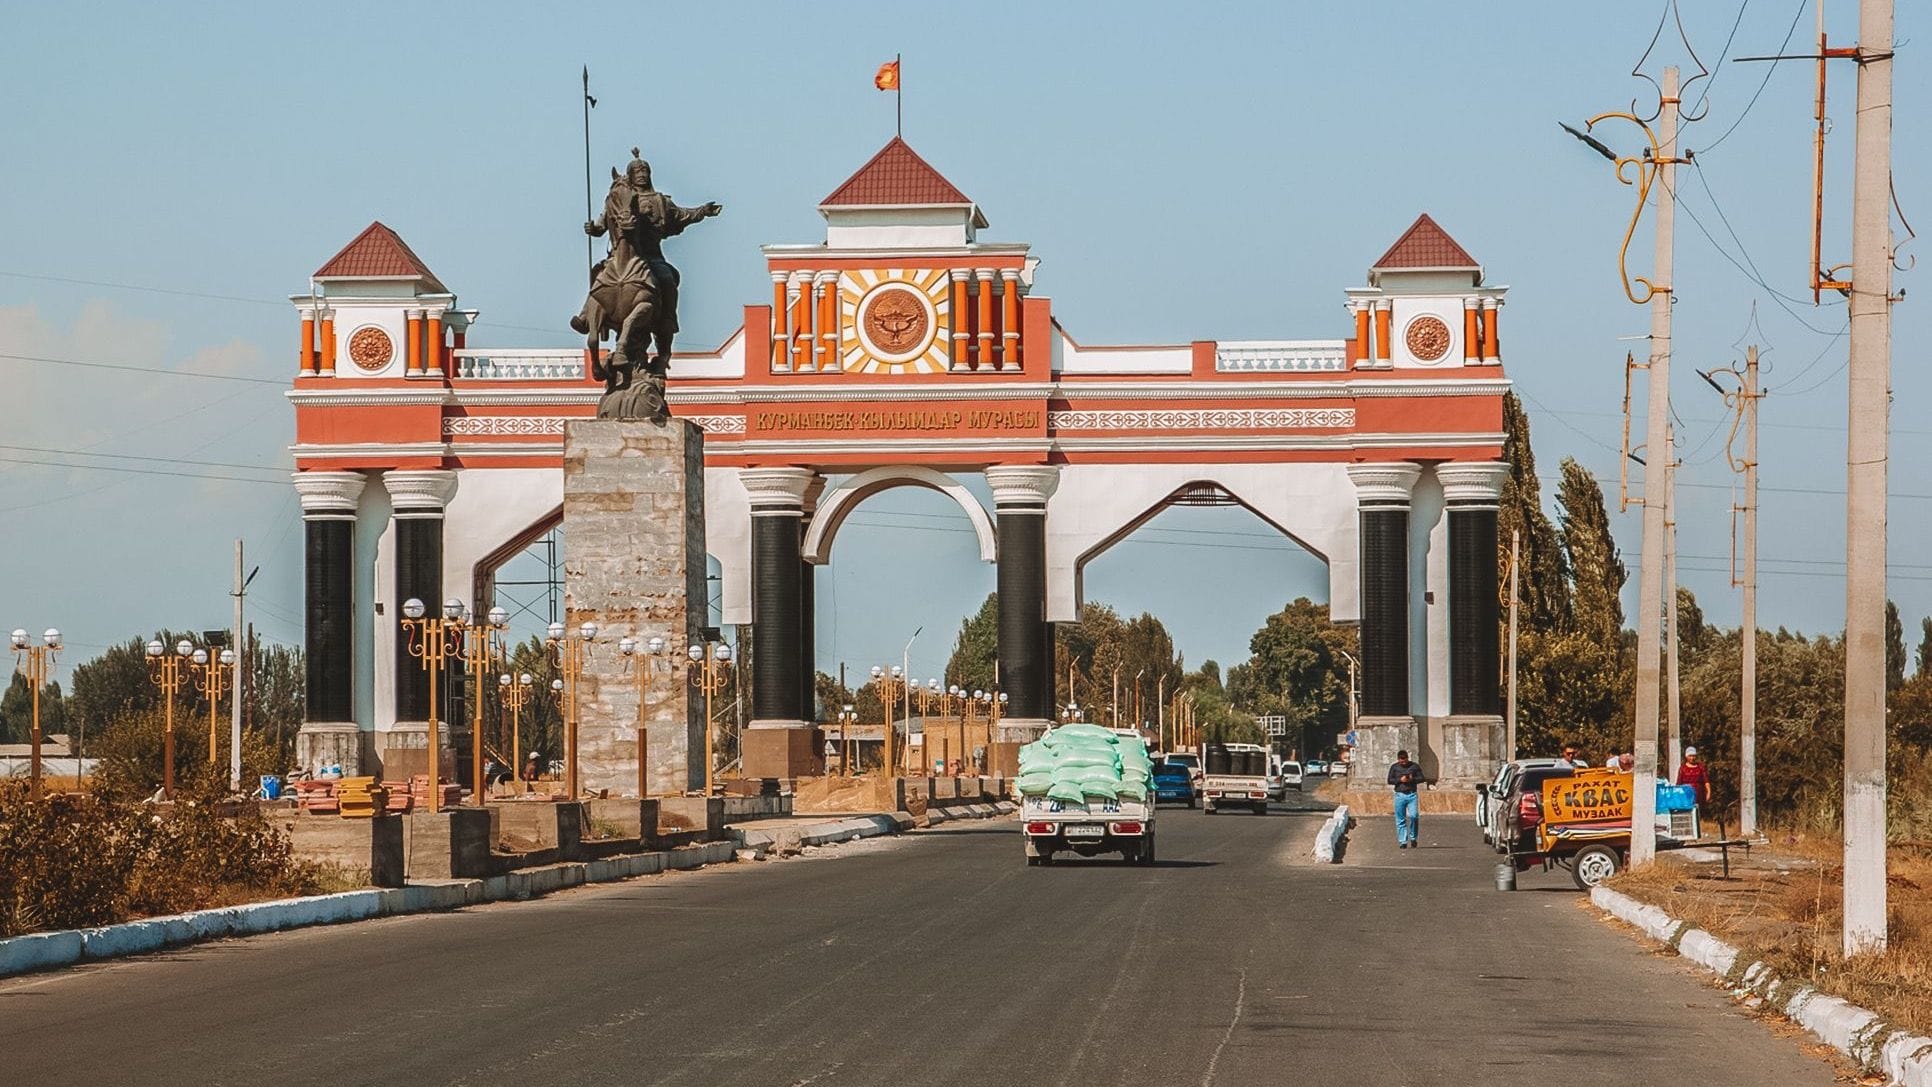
(840,500)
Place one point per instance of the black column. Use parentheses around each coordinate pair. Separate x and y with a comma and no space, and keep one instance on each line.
(1025,663)
(807,638)
(775,605)
(419,575)
(1385,609)
(328,606)
(1475,662)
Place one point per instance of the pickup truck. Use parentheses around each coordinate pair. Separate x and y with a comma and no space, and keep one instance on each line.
(1234,775)
(1098,826)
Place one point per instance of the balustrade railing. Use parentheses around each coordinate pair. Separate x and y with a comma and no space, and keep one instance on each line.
(521,364)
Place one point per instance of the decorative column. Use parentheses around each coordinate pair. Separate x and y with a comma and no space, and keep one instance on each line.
(808,607)
(413,343)
(778,743)
(328,341)
(1472,738)
(418,498)
(433,342)
(983,354)
(781,336)
(329,732)
(1020,494)
(1492,347)
(828,320)
(1385,724)
(962,318)
(802,321)
(1384,318)
(308,356)
(1364,346)
(1010,318)
(1471,332)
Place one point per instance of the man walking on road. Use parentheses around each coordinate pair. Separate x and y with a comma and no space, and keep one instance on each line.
(1405,776)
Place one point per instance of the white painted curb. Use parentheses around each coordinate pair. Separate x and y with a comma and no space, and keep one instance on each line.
(1875,1044)
(1329,839)
(43,950)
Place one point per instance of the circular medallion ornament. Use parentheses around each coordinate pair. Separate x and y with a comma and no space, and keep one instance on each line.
(896,322)
(1428,338)
(371,349)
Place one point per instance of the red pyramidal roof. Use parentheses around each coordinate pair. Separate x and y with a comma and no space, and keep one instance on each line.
(1425,245)
(896,177)
(379,253)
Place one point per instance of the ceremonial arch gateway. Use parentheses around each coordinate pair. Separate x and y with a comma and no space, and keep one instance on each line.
(904,351)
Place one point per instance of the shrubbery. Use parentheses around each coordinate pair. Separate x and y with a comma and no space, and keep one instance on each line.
(76,860)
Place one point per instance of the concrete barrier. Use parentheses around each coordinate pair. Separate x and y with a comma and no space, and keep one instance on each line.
(1332,837)
(1878,1046)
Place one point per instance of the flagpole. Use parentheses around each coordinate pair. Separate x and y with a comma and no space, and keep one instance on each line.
(899,96)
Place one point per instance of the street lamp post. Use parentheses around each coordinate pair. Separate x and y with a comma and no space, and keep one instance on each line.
(709,671)
(211,680)
(891,682)
(482,649)
(432,640)
(165,670)
(643,657)
(848,716)
(514,693)
(572,649)
(34,659)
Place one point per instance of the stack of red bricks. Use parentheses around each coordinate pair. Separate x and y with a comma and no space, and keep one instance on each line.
(317,797)
(402,798)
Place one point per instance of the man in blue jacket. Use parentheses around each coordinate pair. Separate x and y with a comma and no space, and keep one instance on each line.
(1405,777)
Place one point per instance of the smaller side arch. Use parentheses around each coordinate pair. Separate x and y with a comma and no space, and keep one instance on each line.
(836,503)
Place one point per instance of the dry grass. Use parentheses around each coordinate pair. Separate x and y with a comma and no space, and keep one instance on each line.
(1783,905)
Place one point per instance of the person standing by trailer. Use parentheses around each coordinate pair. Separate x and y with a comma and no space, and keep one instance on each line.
(1696,774)
(1405,778)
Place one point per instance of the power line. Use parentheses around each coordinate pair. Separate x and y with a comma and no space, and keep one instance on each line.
(154,460)
(140,287)
(1768,72)
(279,383)
(140,471)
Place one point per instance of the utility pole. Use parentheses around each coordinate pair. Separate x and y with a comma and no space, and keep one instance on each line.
(1674,695)
(1650,590)
(1869,424)
(237,693)
(1509,721)
(1747,744)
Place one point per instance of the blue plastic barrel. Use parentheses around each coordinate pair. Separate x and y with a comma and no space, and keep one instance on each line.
(271,787)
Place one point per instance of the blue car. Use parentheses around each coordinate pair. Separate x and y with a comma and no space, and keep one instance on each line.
(1174,784)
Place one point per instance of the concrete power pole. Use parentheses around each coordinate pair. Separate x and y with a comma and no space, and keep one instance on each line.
(1747,743)
(1869,424)
(1509,719)
(1650,590)
(235,689)
(1673,697)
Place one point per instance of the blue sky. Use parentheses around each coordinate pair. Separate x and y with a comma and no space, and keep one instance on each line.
(1209,171)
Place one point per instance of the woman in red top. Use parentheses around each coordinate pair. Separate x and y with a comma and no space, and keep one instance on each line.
(1694,773)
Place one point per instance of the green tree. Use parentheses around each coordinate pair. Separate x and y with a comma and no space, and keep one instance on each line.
(976,650)
(1925,647)
(1894,648)
(17,711)
(1297,670)
(1596,569)
(1545,594)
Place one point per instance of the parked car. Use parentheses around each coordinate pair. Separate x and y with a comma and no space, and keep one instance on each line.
(1316,767)
(1522,808)
(1489,795)
(1174,784)
(1291,775)
(1191,760)
(1338,769)
(1277,785)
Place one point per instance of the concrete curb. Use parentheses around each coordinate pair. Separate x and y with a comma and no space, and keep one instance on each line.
(851,828)
(1331,837)
(1876,1045)
(45,950)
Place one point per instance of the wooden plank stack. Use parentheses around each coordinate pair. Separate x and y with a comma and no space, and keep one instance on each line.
(360,798)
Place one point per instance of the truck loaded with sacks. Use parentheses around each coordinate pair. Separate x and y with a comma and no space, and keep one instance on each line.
(1086,790)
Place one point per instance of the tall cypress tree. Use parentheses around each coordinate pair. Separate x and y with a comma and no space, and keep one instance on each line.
(1925,647)
(1545,596)
(1595,566)
(1894,648)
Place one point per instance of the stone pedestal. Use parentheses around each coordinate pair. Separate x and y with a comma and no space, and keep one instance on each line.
(450,844)
(405,753)
(633,522)
(783,752)
(318,745)
(1472,748)
(1377,739)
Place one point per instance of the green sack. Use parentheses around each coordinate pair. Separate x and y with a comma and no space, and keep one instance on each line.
(1106,789)
(1066,792)
(1034,784)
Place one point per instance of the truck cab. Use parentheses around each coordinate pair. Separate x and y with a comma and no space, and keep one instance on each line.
(1234,775)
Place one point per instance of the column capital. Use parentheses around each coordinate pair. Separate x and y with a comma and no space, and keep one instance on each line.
(960,275)
(1384,484)
(1022,484)
(329,496)
(777,490)
(986,275)
(1472,483)
(419,492)
(1471,302)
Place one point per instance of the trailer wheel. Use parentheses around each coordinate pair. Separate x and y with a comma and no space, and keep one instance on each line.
(1593,865)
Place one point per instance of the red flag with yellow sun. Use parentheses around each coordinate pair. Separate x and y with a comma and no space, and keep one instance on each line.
(888,77)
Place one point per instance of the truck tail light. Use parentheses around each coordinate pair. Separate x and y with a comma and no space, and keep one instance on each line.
(1124,828)
(1529,811)
(1039,828)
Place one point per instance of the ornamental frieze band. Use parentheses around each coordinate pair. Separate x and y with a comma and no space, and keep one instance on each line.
(1209,419)
(546,426)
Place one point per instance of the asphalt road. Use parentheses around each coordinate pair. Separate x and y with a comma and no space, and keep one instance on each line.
(937,958)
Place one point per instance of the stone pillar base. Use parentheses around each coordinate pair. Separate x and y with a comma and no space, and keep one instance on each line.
(450,844)
(318,743)
(783,752)
(405,752)
(1021,730)
(1377,739)
(1472,749)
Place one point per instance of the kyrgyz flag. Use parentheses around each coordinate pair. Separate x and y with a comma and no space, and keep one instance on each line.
(888,77)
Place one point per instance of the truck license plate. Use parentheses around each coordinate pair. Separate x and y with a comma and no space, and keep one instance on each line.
(1079,830)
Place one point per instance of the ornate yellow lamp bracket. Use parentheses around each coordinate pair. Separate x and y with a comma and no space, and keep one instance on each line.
(1640,171)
